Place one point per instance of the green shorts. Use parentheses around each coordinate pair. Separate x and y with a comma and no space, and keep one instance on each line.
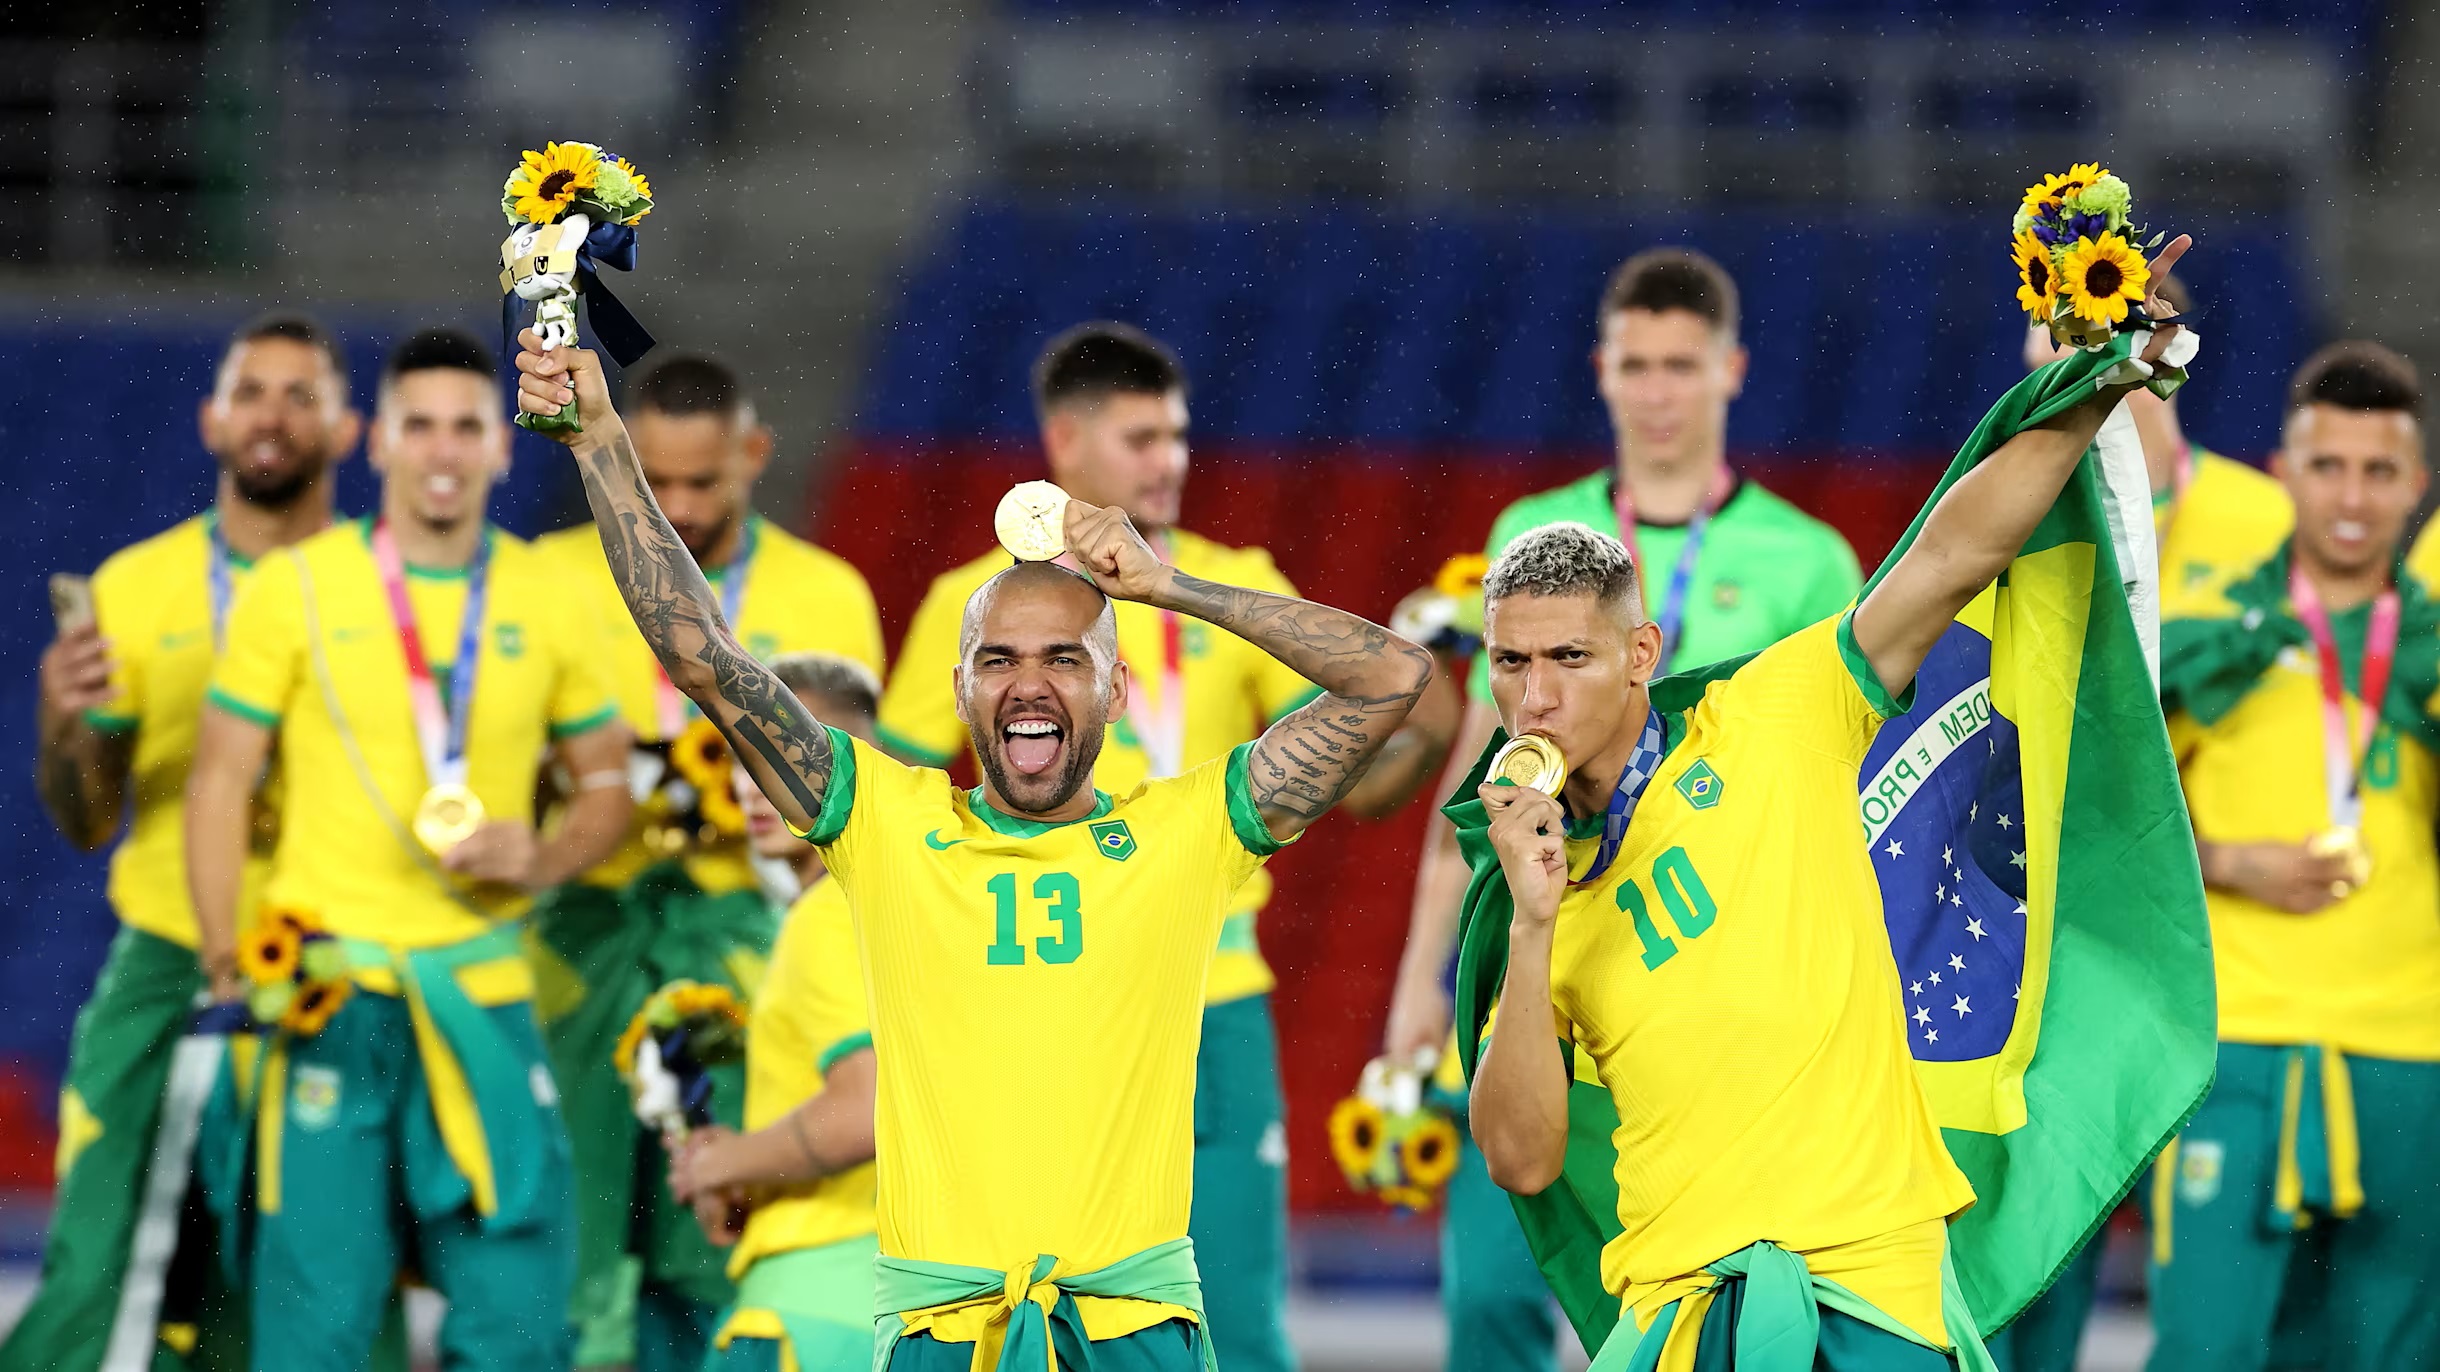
(1170,1346)
(1240,1216)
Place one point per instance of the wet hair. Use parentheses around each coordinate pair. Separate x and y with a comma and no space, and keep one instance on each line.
(2357,375)
(1566,559)
(1100,637)
(1658,280)
(849,682)
(692,383)
(296,328)
(1092,362)
(432,350)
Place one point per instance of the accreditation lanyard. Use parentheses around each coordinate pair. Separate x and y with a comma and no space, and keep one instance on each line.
(1681,577)
(1633,780)
(216,581)
(672,705)
(439,730)
(2342,751)
(1162,732)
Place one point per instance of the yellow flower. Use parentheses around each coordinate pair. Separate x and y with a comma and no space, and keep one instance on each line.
(315,1005)
(1355,1137)
(701,756)
(643,188)
(2035,285)
(1428,1154)
(1462,575)
(269,951)
(547,182)
(2100,278)
(2079,177)
(629,1042)
(2042,193)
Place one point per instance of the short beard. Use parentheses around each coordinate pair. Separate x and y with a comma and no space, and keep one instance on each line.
(711,539)
(278,491)
(1084,751)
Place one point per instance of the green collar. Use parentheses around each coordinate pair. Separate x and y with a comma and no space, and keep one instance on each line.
(1001,822)
(211,529)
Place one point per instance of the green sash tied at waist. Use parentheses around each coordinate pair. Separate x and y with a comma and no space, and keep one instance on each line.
(1779,1319)
(1045,1329)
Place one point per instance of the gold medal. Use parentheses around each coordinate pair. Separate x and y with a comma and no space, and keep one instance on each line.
(1032,521)
(448,816)
(2347,844)
(1531,761)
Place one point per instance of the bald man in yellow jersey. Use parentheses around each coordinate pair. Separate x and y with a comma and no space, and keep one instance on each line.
(1035,949)
(678,900)
(121,698)
(2301,699)
(396,661)
(1697,925)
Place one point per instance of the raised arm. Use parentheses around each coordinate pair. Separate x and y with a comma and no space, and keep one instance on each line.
(1370,678)
(79,771)
(787,752)
(1982,523)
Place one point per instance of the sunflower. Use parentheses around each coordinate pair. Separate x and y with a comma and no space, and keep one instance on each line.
(701,756)
(629,1041)
(2036,284)
(314,1006)
(2042,195)
(1355,1137)
(547,182)
(643,189)
(269,951)
(2078,177)
(1462,575)
(1428,1153)
(2101,277)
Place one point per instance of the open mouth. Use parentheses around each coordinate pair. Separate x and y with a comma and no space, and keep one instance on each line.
(1032,744)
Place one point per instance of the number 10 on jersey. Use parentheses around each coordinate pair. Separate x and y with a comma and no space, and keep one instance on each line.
(1061,904)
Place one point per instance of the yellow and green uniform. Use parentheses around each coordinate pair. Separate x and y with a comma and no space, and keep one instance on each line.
(1233,691)
(649,1287)
(421,1124)
(153,603)
(804,1267)
(2312,1152)
(1036,991)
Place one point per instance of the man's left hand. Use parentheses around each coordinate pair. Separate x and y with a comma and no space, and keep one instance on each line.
(502,851)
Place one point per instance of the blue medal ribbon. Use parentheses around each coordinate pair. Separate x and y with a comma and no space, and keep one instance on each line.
(1633,780)
(216,581)
(1681,577)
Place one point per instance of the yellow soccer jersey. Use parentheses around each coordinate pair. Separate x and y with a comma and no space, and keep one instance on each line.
(1037,994)
(1730,978)
(2228,520)
(2362,974)
(808,1014)
(152,602)
(2423,559)
(338,857)
(798,598)
(1234,691)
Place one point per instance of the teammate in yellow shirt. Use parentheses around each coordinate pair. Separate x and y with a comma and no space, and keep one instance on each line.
(1713,948)
(1112,406)
(2300,700)
(120,700)
(1036,949)
(802,1179)
(406,663)
(678,899)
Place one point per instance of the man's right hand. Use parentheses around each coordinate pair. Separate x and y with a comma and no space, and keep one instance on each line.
(1418,1019)
(549,378)
(75,675)
(2284,876)
(1529,832)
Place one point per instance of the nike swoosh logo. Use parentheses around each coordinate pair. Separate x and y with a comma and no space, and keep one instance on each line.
(933,841)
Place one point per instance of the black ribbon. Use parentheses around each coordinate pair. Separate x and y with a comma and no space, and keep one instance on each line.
(622,335)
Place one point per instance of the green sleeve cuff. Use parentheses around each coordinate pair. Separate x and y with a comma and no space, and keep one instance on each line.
(840,799)
(1866,679)
(105,722)
(584,724)
(909,751)
(253,714)
(1244,815)
(853,1043)
(1302,699)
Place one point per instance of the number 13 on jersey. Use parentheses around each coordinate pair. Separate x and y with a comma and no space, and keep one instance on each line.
(1058,891)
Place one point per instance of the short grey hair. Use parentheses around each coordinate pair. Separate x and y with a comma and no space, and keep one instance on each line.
(845,680)
(1566,559)
(1100,637)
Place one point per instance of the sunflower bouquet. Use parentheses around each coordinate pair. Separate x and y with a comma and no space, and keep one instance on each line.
(697,792)
(1391,1139)
(298,971)
(684,1030)
(1447,616)
(572,208)
(2079,268)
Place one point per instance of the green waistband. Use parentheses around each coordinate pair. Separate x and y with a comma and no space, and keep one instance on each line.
(500,941)
(1164,1273)
(1779,1318)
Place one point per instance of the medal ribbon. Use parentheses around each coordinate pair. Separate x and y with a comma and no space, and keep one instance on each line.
(440,732)
(672,705)
(2341,752)
(1163,732)
(1681,577)
(1633,780)
(216,581)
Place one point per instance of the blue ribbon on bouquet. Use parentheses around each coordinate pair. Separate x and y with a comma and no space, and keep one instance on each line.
(621,334)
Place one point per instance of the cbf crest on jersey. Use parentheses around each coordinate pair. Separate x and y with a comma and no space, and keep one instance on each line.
(1113,840)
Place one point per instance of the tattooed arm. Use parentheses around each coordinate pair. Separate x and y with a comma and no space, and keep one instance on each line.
(788,753)
(1370,677)
(79,771)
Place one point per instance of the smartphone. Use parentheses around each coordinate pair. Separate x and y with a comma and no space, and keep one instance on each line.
(71,601)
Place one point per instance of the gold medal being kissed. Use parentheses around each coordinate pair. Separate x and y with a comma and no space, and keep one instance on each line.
(448,816)
(1531,761)
(2347,845)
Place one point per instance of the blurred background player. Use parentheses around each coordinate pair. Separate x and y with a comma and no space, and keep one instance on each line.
(1726,568)
(121,698)
(416,1126)
(678,899)
(1111,404)
(802,1178)
(2298,701)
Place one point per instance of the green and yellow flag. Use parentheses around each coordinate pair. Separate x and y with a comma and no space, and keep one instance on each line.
(2034,773)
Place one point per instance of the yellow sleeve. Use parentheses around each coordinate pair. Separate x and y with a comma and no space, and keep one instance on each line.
(263,660)
(919,709)
(1277,687)
(864,784)
(580,700)
(117,613)
(2424,558)
(1815,688)
(833,984)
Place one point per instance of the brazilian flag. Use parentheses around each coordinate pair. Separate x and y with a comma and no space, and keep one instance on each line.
(2033,850)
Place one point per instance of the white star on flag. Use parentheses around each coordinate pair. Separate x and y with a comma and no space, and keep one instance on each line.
(1922,1016)
(1957,898)
(1946,854)
(1915,989)
(1931,1036)
(1896,849)
(1935,978)
(1962,1008)
(1940,893)
(2020,907)
(2005,822)
(1973,811)
(1974,927)
(2018,860)
(1956,963)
